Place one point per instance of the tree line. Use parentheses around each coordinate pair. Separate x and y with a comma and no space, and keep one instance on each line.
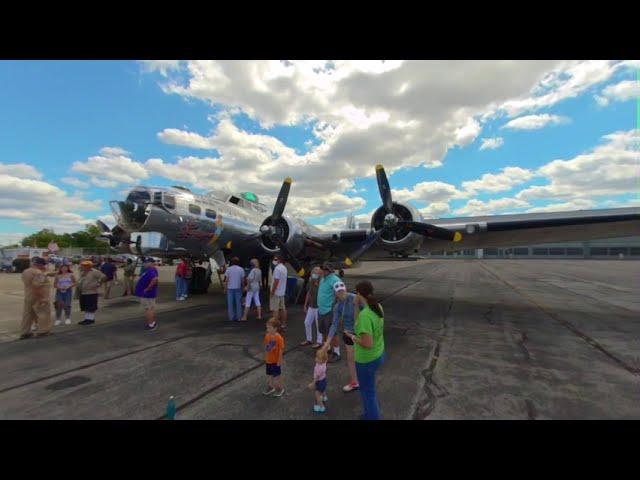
(87,238)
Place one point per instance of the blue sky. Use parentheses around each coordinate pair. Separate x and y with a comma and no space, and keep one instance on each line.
(55,113)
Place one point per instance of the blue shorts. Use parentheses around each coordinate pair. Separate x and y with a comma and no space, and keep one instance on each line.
(321,385)
(273,370)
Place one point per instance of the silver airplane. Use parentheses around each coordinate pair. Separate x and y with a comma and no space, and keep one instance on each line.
(175,222)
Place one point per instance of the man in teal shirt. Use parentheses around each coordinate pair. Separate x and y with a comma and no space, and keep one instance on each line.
(326,299)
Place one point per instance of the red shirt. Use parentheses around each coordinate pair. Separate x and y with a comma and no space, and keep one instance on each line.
(181,270)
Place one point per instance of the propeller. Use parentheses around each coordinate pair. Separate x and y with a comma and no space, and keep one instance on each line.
(272,229)
(394,225)
(116,235)
(392,222)
(281,201)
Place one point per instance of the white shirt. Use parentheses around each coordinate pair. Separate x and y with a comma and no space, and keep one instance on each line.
(280,274)
(234,275)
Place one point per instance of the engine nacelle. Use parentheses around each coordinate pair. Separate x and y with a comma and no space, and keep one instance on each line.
(400,241)
(291,230)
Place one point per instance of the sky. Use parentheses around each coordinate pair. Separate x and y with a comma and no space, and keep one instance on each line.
(457,138)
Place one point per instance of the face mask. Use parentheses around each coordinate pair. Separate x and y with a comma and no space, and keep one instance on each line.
(275,263)
(315,276)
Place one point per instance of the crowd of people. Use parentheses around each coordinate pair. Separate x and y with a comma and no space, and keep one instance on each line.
(330,311)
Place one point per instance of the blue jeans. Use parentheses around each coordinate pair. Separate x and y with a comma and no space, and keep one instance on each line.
(181,287)
(234,295)
(63,302)
(366,373)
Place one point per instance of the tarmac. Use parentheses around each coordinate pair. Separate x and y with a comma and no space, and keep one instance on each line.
(465,339)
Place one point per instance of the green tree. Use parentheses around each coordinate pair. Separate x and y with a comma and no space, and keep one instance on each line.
(88,238)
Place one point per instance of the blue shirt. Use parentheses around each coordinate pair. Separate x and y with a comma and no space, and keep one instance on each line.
(326,296)
(344,310)
(108,269)
(144,281)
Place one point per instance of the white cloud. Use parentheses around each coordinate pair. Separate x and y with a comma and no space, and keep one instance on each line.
(577,204)
(435,210)
(467,133)
(113,167)
(20,170)
(478,207)
(609,169)
(10,238)
(491,143)
(501,182)
(161,66)
(75,182)
(39,204)
(620,92)
(430,192)
(535,122)
(401,114)
(396,113)
(568,80)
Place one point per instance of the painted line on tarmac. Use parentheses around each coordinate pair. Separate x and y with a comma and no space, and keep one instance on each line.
(569,326)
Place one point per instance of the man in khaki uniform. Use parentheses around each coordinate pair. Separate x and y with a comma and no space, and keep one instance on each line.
(36,300)
(89,281)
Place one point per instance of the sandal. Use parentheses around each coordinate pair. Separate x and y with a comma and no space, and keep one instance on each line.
(305,343)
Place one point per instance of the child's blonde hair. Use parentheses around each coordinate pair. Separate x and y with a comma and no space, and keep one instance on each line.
(273,322)
(321,355)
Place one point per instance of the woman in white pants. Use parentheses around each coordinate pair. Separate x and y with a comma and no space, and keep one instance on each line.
(311,309)
(254,280)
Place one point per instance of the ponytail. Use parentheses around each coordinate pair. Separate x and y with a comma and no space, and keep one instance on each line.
(365,289)
(374,305)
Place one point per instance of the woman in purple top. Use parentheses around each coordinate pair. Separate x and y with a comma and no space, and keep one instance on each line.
(147,291)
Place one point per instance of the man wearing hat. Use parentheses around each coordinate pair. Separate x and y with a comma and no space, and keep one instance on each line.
(326,299)
(36,299)
(89,281)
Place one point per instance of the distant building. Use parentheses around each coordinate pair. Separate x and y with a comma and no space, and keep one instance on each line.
(627,248)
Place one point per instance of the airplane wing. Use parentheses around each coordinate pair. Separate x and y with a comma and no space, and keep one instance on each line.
(488,231)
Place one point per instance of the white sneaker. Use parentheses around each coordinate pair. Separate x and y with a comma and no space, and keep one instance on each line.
(34,327)
(278,393)
(57,322)
(67,321)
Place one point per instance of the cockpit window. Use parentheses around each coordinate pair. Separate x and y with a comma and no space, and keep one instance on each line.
(139,196)
(169,201)
(210,213)
(234,200)
(194,209)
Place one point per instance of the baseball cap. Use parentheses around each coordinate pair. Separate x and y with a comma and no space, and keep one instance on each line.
(339,287)
(38,261)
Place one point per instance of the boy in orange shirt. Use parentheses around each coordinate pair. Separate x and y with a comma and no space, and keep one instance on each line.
(274,350)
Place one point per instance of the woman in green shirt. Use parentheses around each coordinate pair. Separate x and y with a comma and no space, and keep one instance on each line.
(369,348)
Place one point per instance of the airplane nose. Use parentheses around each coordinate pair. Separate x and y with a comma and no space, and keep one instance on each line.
(130,215)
